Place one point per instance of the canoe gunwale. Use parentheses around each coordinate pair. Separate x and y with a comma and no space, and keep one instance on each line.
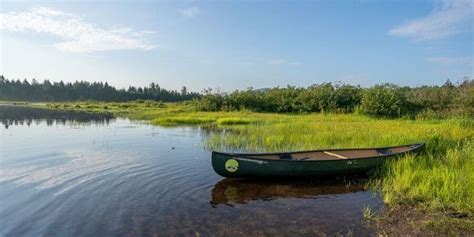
(413,147)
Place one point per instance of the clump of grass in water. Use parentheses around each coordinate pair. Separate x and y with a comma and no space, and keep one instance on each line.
(167,121)
(368,213)
(234,121)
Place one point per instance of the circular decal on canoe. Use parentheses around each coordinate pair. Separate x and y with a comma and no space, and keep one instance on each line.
(232,165)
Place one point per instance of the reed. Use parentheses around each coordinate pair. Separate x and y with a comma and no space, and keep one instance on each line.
(368,213)
(183,120)
(235,121)
(436,181)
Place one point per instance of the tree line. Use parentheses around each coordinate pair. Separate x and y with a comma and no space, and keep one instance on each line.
(385,100)
(48,91)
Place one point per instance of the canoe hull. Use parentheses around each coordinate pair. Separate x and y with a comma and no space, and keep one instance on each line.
(252,168)
(231,165)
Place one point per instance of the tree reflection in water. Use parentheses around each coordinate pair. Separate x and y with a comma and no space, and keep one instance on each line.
(23,115)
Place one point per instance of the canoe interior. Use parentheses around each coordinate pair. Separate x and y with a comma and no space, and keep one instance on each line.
(334,154)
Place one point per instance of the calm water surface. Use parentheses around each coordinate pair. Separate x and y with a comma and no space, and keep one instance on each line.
(115,177)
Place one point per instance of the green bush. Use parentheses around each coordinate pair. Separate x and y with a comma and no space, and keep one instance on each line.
(380,101)
(211,101)
(282,100)
(383,101)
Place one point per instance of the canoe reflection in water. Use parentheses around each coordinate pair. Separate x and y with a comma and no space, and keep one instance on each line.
(241,191)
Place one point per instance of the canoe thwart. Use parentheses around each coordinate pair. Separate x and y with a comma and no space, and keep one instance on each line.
(334,154)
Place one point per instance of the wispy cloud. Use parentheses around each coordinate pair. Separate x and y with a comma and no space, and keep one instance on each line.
(190,12)
(79,36)
(469,60)
(280,61)
(276,61)
(447,19)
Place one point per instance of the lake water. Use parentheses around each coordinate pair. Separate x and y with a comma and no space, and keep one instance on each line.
(61,176)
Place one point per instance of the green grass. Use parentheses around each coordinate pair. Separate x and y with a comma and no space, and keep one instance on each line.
(436,181)
(439,180)
(235,121)
(368,213)
(182,120)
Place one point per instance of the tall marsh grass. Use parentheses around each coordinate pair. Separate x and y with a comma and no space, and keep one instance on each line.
(235,121)
(439,181)
(182,120)
(302,132)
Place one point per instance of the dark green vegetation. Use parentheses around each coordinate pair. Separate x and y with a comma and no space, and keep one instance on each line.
(385,100)
(17,90)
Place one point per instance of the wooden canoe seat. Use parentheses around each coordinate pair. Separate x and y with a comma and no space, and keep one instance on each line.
(334,154)
(286,156)
(384,151)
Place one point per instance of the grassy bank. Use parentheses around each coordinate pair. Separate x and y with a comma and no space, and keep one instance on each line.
(439,181)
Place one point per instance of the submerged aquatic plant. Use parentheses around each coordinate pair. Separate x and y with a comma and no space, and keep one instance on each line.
(368,213)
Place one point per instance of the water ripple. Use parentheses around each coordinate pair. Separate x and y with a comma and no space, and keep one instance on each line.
(80,167)
(131,178)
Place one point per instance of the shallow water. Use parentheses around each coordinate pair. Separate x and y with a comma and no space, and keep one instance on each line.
(62,177)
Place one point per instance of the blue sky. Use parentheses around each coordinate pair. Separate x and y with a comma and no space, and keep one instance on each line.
(237,44)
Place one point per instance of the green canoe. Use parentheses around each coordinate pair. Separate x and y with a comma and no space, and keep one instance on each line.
(306,163)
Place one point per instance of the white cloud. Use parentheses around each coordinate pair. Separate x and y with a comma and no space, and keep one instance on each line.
(296,63)
(452,60)
(279,61)
(78,35)
(190,12)
(445,20)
